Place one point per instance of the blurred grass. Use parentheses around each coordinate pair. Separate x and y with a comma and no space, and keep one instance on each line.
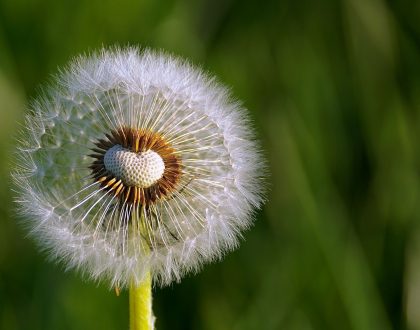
(334,90)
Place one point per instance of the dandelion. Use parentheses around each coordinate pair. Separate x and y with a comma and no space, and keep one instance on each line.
(134,167)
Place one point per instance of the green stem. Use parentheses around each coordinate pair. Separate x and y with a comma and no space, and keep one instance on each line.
(141,315)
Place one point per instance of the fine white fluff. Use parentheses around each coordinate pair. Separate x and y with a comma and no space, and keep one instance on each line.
(67,212)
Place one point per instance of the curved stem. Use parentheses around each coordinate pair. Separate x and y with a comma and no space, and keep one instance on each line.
(141,315)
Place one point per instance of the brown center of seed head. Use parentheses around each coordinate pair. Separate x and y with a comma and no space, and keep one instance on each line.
(137,142)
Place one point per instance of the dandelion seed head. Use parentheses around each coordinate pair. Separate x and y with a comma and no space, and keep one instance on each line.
(135,161)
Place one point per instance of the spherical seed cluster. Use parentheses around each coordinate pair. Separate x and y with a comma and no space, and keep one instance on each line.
(134,169)
(94,222)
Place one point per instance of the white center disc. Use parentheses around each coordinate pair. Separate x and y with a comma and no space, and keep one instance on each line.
(141,169)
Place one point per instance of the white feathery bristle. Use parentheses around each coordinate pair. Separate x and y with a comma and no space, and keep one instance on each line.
(92,225)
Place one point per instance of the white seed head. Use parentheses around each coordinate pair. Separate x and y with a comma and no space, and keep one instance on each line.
(136,161)
(134,169)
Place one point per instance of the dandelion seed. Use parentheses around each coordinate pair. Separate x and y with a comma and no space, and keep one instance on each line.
(136,162)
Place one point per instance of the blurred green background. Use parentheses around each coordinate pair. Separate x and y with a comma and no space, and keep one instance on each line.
(334,90)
